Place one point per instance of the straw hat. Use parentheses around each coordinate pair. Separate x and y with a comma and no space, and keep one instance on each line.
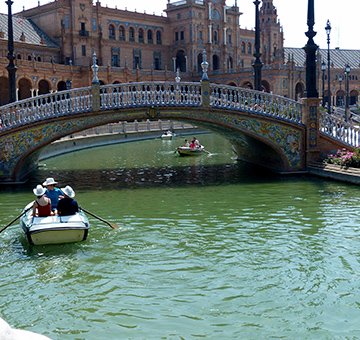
(68,191)
(39,190)
(49,181)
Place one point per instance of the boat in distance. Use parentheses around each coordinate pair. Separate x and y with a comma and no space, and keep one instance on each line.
(188,151)
(167,135)
(54,229)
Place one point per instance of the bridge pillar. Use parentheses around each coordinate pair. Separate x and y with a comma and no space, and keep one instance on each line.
(311,119)
(95,92)
(205,93)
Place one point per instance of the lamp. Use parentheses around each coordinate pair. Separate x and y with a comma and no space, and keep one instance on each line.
(328,30)
(347,101)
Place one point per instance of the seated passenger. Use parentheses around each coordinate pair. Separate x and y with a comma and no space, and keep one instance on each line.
(67,205)
(42,204)
(53,192)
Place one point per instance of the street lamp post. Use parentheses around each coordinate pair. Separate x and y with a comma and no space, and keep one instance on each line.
(310,50)
(11,66)
(347,99)
(323,68)
(328,30)
(257,65)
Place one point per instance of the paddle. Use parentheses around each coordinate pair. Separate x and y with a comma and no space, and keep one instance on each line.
(9,224)
(112,225)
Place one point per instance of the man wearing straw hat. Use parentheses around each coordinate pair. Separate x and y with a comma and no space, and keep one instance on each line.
(67,205)
(53,192)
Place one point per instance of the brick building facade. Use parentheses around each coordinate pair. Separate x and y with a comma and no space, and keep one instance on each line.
(54,46)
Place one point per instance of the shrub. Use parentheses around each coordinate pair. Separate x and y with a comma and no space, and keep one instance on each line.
(345,158)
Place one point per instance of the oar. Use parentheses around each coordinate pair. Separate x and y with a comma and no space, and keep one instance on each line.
(112,225)
(9,224)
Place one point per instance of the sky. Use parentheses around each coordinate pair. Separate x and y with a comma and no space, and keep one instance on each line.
(343,16)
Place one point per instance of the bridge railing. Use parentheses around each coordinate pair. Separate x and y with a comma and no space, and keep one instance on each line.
(242,99)
(146,94)
(336,127)
(44,107)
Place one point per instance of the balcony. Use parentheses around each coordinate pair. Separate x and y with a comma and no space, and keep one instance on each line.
(83,33)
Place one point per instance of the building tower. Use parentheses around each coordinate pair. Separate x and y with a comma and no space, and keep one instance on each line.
(272,40)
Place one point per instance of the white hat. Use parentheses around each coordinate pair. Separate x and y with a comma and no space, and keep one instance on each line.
(68,191)
(49,181)
(39,190)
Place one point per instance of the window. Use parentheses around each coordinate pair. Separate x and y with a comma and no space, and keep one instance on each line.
(249,48)
(200,36)
(115,57)
(150,36)
(141,35)
(176,36)
(137,58)
(94,25)
(122,33)
(243,48)
(182,35)
(66,22)
(216,37)
(157,60)
(158,37)
(83,50)
(111,31)
(131,34)
(230,39)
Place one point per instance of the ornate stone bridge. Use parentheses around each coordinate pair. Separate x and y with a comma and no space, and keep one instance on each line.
(276,132)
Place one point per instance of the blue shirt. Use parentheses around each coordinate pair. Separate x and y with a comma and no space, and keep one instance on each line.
(54,196)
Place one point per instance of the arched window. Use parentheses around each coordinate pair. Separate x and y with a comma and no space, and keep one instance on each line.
(150,37)
(249,48)
(131,34)
(111,31)
(24,88)
(216,62)
(122,33)
(158,38)
(216,37)
(243,48)
(141,35)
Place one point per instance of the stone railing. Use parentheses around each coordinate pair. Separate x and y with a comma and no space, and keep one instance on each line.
(148,94)
(336,127)
(45,106)
(246,100)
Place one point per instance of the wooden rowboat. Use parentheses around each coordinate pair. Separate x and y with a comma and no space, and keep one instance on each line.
(54,229)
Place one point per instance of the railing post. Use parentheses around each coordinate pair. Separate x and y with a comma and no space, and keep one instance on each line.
(205,84)
(95,86)
(205,93)
(95,94)
(311,119)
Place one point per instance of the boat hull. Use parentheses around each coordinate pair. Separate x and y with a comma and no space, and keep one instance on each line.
(55,229)
(187,151)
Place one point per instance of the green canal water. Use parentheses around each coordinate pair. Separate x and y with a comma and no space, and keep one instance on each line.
(207,249)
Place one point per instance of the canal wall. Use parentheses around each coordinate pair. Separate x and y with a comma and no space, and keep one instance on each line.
(335,172)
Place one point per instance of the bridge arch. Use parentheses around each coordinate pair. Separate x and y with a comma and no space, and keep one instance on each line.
(265,129)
